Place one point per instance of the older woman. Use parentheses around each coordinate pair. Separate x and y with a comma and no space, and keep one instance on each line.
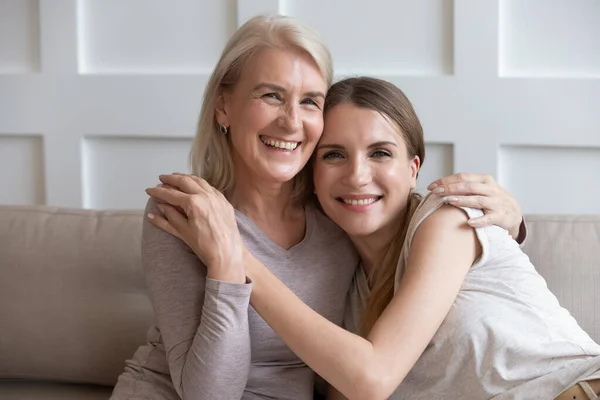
(260,121)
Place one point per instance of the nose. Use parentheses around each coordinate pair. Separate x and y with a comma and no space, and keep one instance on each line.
(358,173)
(290,119)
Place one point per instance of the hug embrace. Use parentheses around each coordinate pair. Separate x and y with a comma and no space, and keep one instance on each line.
(298,256)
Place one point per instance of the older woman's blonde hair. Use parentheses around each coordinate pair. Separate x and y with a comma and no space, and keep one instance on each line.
(210,156)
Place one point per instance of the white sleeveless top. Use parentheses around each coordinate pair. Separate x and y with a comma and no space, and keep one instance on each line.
(505,336)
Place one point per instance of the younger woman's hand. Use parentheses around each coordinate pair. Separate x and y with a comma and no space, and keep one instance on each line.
(198,214)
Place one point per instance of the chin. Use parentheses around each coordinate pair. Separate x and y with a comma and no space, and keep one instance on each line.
(278,174)
(358,228)
(283,177)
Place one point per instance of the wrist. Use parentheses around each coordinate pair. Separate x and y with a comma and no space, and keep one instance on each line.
(231,277)
(516,230)
(231,271)
(253,267)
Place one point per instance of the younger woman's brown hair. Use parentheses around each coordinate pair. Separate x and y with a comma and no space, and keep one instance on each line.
(390,102)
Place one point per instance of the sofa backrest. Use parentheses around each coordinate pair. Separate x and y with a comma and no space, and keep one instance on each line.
(565,250)
(73,303)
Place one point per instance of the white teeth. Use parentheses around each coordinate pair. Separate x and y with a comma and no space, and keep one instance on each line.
(362,202)
(280,144)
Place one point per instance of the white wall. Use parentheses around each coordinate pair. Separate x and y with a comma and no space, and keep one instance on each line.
(97,97)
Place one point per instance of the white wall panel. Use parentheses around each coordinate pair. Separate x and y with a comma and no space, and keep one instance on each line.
(117,170)
(112,84)
(548,180)
(21,163)
(401,37)
(439,162)
(141,36)
(559,38)
(19,36)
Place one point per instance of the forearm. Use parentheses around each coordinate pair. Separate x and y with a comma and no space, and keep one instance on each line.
(345,360)
(217,363)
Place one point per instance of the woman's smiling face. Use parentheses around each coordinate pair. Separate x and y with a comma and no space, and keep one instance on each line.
(362,171)
(274,114)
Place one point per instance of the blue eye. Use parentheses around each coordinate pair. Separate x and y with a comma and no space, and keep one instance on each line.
(332,155)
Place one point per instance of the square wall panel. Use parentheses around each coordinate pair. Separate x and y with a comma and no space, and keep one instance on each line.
(548,180)
(549,38)
(380,37)
(439,162)
(22,160)
(19,36)
(117,170)
(149,37)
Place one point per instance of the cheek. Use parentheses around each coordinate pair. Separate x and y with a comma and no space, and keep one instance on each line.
(397,180)
(253,115)
(322,176)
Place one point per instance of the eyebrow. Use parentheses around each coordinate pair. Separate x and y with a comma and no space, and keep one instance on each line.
(335,146)
(278,88)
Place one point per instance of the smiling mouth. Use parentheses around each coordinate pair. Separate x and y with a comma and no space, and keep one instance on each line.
(279,144)
(359,202)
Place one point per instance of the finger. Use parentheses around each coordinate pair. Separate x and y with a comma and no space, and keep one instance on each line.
(461,177)
(167,195)
(480,222)
(174,217)
(173,188)
(481,202)
(206,186)
(465,188)
(163,224)
(201,182)
(180,181)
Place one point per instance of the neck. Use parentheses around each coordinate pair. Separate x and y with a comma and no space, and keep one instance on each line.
(263,200)
(372,247)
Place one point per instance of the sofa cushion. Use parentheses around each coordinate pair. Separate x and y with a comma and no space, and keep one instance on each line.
(52,391)
(566,252)
(73,304)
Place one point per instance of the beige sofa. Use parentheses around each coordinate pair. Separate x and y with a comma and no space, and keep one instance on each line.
(73,305)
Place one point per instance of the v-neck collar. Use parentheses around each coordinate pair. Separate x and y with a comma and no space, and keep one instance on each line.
(309,214)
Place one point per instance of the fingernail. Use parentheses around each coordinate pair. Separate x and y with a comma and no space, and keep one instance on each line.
(150,216)
(438,190)
(450,199)
(432,186)
(161,208)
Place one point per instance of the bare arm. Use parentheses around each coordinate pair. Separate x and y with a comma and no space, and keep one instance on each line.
(203,322)
(443,249)
(333,394)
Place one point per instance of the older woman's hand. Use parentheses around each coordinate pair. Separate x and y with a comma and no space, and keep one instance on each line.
(481,191)
(200,215)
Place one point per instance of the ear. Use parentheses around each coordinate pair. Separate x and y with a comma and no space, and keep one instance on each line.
(415,166)
(221,109)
